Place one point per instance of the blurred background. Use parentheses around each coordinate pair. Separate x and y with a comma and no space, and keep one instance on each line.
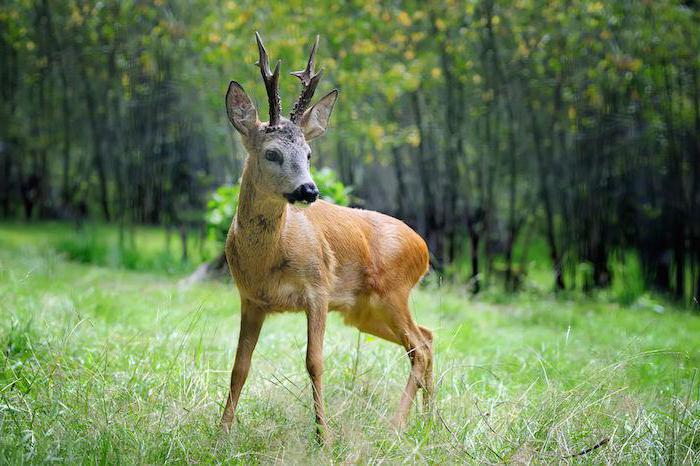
(535,145)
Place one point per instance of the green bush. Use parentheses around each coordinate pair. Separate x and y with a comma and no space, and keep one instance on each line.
(331,188)
(220,210)
(85,246)
(628,280)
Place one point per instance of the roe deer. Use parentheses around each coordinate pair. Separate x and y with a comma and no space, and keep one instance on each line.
(287,258)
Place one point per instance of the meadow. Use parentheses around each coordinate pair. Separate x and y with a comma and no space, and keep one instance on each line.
(113,359)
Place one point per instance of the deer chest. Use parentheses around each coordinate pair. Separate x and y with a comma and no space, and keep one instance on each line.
(276,285)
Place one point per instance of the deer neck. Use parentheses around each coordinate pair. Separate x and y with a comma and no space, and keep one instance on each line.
(259,220)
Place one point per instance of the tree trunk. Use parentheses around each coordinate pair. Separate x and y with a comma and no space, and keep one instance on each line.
(546,201)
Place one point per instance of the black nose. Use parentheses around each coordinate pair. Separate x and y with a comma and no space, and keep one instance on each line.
(307,192)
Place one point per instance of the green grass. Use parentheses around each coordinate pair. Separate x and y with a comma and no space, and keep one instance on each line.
(110,365)
(141,248)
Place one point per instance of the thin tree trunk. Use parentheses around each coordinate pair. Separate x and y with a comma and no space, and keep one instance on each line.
(546,201)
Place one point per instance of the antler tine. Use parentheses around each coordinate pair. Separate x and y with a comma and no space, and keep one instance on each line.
(271,79)
(309,80)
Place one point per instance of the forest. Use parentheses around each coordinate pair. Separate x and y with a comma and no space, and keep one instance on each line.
(548,152)
(570,128)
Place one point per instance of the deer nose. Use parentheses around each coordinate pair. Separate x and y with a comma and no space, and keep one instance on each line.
(308,192)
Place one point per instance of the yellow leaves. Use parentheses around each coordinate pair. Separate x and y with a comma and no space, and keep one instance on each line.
(372,9)
(418,15)
(403,18)
(496,20)
(605,35)
(8,13)
(523,50)
(476,79)
(418,36)
(413,137)
(30,45)
(440,24)
(436,73)
(399,38)
(594,96)
(148,62)
(76,18)
(572,113)
(409,54)
(635,64)
(622,62)
(214,38)
(330,64)
(364,47)
(375,132)
(595,7)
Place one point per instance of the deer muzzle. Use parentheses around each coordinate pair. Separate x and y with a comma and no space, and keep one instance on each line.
(306,193)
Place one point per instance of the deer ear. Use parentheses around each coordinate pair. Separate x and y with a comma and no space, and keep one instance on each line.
(241,111)
(315,120)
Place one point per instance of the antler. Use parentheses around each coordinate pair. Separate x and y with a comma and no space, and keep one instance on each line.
(309,81)
(271,80)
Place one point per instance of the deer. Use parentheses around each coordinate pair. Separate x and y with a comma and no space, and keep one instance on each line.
(289,251)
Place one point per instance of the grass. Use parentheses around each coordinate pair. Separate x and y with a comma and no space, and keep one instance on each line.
(111,365)
(140,248)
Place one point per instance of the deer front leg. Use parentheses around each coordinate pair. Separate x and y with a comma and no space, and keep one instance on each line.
(251,322)
(316,328)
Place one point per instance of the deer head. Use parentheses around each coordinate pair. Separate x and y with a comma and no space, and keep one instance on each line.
(279,155)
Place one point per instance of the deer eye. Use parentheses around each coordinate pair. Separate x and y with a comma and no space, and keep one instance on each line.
(274,156)
(308,156)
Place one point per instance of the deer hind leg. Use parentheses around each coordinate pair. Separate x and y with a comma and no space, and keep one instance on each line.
(391,320)
(419,354)
(428,382)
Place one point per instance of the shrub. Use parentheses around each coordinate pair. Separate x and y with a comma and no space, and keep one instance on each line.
(86,247)
(220,210)
(331,188)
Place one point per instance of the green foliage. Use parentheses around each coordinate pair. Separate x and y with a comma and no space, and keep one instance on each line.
(125,367)
(331,188)
(221,208)
(84,246)
(628,286)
